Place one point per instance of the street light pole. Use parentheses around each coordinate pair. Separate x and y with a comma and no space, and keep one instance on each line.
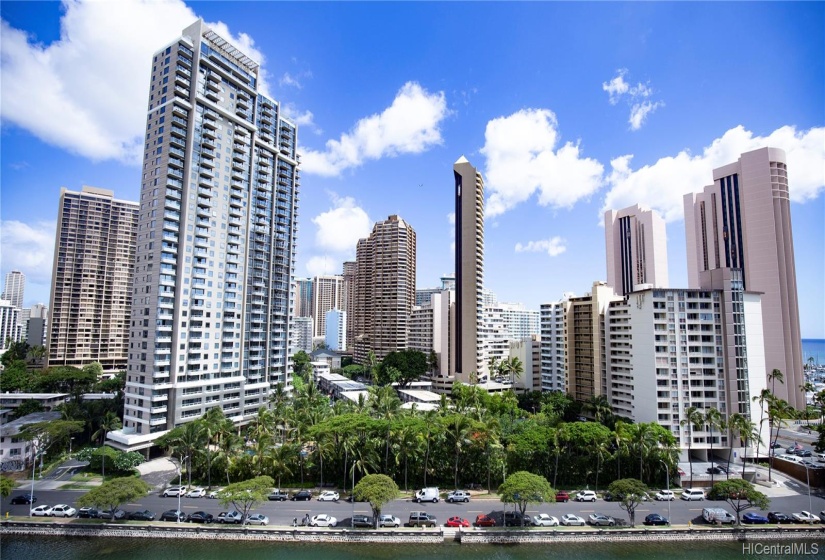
(34,464)
(667,474)
(352,518)
(810,503)
(70,445)
(180,483)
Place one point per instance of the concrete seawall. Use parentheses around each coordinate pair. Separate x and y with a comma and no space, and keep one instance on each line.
(410,536)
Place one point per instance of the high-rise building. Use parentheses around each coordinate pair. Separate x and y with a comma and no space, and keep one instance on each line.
(743,221)
(384,289)
(520,323)
(216,242)
(303,297)
(636,243)
(430,329)
(671,349)
(584,332)
(92,278)
(327,294)
(301,334)
(14,288)
(350,273)
(336,330)
(10,329)
(469,270)
(553,343)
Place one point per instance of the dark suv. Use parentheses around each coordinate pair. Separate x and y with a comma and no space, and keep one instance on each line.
(23,499)
(362,521)
(513,519)
(422,519)
(302,496)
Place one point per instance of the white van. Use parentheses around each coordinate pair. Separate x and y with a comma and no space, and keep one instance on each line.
(791,458)
(693,495)
(426,495)
(820,457)
(717,515)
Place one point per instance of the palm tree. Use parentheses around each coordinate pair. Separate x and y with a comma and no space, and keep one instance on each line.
(458,430)
(108,423)
(430,420)
(694,420)
(228,443)
(408,445)
(765,397)
(643,440)
(806,388)
(599,406)
(210,424)
(747,431)
(602,450)
(773,377)
(713,419)
(778,410)
(386,404)
(490,428)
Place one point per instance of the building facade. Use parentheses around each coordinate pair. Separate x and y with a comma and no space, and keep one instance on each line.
(636,249)
(10,328)
(14,288)
(302,334)
(349,273)
(336,330)
(92,279)
(384,289)
(216,242)
(303,297)
(743,221)
(469,271)
(553,344)
(327,294)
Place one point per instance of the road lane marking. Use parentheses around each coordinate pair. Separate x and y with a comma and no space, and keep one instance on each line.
(134,505)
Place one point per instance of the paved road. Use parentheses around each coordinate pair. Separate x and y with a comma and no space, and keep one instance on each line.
(282,513)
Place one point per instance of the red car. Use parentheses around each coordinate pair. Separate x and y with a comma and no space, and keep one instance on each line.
(485,521)
(457,522)
(562,496)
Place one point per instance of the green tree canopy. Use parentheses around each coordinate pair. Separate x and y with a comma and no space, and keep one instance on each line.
(113,493)
(631,493)
(67,379)
(49,434)
(16,351)
(410,365)
(6,487)
(522,488)
(17,377)
(378,490)
(247,495)
(300,364)
(740,494)
(27,407)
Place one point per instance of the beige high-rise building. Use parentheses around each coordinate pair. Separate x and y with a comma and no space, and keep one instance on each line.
(327,294)
(469,271)
(14,288)
(93,275)
(350,273)
(636,249)
(384,289)
(584,337)
(743,221)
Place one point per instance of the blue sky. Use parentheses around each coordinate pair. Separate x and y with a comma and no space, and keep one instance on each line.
(566,108)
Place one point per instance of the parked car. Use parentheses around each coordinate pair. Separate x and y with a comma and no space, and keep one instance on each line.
(278,496)
(257,519)
(665,495)
(389,521)
(458,496)
(301,496)
(87,513)
(230,517)
(422,519)
(41,511)
(200,517)
(693,495)
(328,496)
(717,515)
(514,519)
(213,495)
(600,519)
(323,520)
(362,521)
(173,515)
(805,517)
(24,499)
(776,445)
(144,515)
(803,453)
(457,521)
(562,496)
(427,495)
(196,493)
(794,448)
(114,515)
(779,517)
(714,470)
(545,520)
(485,521)
(754,518)
(62,510)
(571,519)
(586,496)
(174,491)
(655,519)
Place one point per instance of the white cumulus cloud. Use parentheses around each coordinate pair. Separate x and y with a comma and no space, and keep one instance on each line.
(303,119)
(661,185)
(28,248)
(637,98)
(554,246)
(87,92)
(340,227)
(323,266)
(410,125)
(523,157)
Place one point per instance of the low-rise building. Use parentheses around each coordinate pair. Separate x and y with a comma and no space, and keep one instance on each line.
(17,453)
